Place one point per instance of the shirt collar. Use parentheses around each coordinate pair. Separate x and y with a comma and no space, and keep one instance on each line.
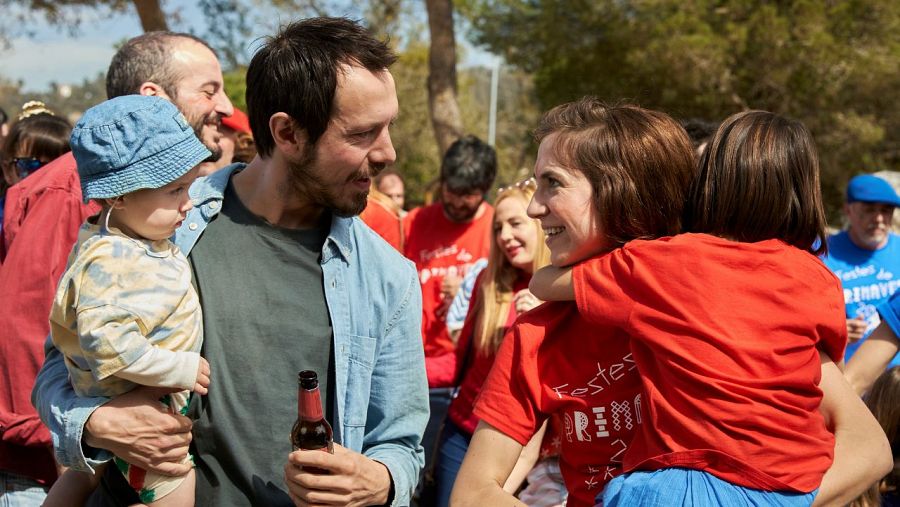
(212,187)
(339,241)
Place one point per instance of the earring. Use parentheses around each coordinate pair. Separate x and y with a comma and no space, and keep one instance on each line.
(106,219)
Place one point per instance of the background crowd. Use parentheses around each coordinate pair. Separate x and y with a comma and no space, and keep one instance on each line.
(473,260)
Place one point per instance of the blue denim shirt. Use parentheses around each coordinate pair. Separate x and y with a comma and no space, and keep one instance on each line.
(375,305)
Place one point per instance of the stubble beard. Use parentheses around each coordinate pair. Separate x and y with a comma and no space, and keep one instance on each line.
(304,181)
(197,123)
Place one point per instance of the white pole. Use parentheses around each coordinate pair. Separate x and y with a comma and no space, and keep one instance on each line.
(492,117)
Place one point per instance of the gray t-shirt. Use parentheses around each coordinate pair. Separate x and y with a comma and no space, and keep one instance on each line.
(265,318)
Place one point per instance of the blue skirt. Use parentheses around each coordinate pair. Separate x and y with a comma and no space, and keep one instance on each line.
(682,486)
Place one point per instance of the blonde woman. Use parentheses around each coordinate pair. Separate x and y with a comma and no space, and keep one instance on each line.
(500,295)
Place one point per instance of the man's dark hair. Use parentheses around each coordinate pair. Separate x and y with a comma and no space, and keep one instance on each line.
(296,72)
(145,58)
(469,165)
(3,116)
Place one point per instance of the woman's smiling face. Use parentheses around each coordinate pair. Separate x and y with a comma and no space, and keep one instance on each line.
(563,203)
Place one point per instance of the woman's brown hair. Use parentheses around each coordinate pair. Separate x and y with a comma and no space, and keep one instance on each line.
(759,179)
(639,163)
(40,135)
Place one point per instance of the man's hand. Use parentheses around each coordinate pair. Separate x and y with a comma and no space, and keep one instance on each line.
(449,287)
(352,479)
(856,328)
(201,386)
(137,428)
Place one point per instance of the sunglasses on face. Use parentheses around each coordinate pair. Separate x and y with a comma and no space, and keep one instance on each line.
(26,166)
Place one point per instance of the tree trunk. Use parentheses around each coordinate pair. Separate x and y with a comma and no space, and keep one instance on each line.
(442,104)
(151,14)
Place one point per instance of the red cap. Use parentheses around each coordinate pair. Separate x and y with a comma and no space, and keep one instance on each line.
(237,121)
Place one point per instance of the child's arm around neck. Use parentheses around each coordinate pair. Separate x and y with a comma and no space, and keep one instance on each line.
(551,283)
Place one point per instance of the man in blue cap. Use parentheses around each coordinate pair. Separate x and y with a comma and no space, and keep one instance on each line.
(866,256)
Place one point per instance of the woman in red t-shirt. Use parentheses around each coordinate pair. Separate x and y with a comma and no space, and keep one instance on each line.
(606,176)
(726,323)
(499,296)
(604,172)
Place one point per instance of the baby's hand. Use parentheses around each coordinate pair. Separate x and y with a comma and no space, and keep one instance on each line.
(200,387)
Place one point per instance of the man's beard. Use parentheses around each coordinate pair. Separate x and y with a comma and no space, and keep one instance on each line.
(197,124)
(460,215)
(305,181)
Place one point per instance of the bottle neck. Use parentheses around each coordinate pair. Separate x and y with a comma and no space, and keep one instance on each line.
(309,404)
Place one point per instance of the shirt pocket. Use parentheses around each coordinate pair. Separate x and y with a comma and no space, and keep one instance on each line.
(360,366)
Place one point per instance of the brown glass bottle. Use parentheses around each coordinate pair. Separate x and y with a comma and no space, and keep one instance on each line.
(311,431)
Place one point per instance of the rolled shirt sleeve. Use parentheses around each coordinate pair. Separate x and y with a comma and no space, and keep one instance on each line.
(65,413)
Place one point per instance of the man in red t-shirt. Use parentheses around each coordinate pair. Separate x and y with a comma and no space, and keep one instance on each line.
(383,217)
(444,240)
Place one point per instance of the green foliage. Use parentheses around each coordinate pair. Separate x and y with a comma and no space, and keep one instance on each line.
(229,31)
(418,159)
(833,65)
(236,87)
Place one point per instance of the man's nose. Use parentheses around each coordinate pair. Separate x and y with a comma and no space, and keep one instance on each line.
(223,104)
(383,152)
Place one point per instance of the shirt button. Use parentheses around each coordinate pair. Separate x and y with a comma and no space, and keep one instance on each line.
(192,226)
(213,205)
(333,283)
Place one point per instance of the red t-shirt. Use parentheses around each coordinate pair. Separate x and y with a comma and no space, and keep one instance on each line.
(383,221)
(478,364)
(556,362)
(725,337)
(439,246)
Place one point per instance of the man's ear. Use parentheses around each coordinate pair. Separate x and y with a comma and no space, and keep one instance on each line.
(290,138)
(152,89)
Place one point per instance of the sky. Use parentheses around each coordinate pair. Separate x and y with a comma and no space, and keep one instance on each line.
(53,55)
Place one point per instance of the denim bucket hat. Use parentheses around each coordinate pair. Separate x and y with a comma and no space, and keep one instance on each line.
(133,142)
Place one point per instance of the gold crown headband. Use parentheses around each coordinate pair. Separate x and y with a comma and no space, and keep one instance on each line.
(33,107)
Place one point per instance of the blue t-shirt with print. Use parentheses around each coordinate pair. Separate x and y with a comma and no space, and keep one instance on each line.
(869,278)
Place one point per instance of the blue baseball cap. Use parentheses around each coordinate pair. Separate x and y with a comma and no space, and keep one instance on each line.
(133,142)
(871,188)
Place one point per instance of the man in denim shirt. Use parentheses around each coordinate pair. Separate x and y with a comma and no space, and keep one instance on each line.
(289,279)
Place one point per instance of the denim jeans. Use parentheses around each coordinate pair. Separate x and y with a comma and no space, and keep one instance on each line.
(682,486)
(439,399)
(19,491)
(454,443)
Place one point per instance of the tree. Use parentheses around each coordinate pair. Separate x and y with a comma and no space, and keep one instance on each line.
(442,87)
(67,12)
(833,65)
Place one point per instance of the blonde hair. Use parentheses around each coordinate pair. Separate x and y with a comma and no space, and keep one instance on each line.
(496,289)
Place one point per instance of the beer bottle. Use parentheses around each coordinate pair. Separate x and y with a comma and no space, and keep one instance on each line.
(311,431)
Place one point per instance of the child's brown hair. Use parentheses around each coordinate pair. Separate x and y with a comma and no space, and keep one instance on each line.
(758,179)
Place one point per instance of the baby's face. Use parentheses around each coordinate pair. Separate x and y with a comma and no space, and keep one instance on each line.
(155,213)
